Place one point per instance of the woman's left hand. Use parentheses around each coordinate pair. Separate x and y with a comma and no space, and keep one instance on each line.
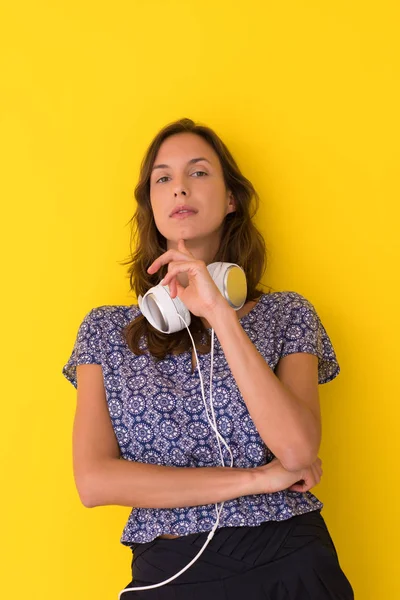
(201,296)
(274,477)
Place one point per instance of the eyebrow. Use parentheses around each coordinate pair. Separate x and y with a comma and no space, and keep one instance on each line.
(190,162)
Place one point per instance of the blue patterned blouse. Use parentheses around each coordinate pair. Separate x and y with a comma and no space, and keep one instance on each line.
(158,415)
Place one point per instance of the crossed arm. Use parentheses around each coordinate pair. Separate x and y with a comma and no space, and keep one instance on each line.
(284,407)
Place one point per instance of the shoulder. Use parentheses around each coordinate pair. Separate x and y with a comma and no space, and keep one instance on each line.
(291,310)
(291,300)
(286,301)
(298,329)
(113,314)
(107,321)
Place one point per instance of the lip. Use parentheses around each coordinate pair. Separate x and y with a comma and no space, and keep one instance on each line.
(175,212)
(178,215)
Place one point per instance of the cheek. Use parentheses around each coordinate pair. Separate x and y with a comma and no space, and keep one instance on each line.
(216,195)
(211,191)
(156,201)
(160,216)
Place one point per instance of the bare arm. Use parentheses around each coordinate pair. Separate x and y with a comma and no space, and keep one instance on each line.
(284,406)
(102,478)
(142,485)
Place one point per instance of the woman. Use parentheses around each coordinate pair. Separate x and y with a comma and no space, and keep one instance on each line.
(140,420)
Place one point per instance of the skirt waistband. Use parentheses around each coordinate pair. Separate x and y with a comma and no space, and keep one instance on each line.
(232,548)
(284,560)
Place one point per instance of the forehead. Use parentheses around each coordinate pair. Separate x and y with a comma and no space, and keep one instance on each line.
(182,147)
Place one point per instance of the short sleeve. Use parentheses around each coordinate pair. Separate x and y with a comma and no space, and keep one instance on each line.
(87,347)
(302,331)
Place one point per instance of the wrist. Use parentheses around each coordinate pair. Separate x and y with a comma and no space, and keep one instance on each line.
(251,482)
(272,477)
(262,478)
(220,313)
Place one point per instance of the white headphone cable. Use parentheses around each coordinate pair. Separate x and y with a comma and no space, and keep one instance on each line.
(218,436)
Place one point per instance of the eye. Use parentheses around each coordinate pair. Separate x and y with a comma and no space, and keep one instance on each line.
(203,172)
(159,180)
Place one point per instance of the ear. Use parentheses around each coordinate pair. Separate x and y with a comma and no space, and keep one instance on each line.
(232,203)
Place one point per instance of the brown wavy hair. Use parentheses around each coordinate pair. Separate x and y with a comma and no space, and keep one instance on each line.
(241,243)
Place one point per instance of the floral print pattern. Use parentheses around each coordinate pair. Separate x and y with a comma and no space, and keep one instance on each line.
(158,415)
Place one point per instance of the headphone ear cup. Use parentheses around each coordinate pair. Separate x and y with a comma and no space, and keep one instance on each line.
(162,311)
(230,279)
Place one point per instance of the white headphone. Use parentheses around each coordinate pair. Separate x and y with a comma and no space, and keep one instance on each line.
(169,315)
(164,312)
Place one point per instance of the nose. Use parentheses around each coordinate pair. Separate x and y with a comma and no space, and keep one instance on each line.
(180,186)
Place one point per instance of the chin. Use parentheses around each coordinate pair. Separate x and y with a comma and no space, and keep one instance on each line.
(185,233)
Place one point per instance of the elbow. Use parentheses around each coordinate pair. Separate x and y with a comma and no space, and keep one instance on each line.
(297,460)
(87,500)
(303,453)
(86,490)
(94,483)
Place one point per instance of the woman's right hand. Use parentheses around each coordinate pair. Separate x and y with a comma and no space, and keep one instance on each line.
(273,477)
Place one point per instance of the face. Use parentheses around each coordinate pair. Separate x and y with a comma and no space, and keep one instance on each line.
(187,172)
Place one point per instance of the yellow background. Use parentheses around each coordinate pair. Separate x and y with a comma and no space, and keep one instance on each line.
(306,96)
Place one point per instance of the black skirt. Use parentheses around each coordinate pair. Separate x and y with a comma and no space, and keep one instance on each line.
(277,560)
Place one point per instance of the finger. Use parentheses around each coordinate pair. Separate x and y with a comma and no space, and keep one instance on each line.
(299,483)
(179,288)
(306,484)
(179,267)
(182,245)
(172,288)
(298,487)
(315,476)
(317,472)
(161,260)
(310,483)
(183,248)
(165,258)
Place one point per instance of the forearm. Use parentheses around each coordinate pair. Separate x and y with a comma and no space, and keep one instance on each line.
(286,424)
(126,483)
